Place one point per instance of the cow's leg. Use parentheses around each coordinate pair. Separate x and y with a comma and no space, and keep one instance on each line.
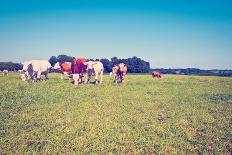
(39,75)
(96,78)
(76,78)
(34,76)
(101,76)
(69,77)
(46,76)
(123,78)
(116,78)
(28,75)
(80,78)
(88,76)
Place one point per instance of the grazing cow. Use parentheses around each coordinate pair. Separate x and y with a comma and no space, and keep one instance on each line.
(34,68)
(111,73)
(5,72)
(156,74)
(94,68)
(78,69)
(20,71)
(65,68)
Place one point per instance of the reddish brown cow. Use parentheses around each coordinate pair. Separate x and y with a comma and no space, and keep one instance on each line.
(64,67)
(78,69)
(156,74)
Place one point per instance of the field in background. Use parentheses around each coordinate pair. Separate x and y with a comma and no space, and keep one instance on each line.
(175,114)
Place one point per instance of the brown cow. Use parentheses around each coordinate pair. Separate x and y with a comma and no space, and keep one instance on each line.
(156,74)
(78,69)
(119,72)
(65,68)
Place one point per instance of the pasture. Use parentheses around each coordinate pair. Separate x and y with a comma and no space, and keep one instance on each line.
(174,115)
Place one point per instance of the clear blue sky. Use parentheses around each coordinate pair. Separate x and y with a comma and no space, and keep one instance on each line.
(167,33)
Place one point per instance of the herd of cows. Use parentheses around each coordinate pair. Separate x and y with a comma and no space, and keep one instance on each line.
(75,70)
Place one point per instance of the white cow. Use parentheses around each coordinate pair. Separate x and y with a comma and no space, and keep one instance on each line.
(5,72)
(34,68)
(94,68)
(20,71)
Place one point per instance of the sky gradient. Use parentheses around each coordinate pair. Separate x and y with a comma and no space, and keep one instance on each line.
(167,33)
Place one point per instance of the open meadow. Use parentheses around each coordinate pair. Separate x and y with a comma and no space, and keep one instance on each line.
(176,114)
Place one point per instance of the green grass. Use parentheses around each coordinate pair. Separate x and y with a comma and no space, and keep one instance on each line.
(172,115)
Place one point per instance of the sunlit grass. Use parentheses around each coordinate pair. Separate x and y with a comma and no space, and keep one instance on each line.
(172,115)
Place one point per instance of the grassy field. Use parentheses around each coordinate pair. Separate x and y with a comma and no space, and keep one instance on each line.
(173,115)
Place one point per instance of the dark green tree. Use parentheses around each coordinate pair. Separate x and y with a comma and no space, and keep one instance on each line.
(64,58)
(107,65)
(53,60)
(10,66)
(114,61)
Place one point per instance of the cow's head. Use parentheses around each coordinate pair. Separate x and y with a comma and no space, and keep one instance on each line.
(24,76)
(89,65)
(27,71)
(121,66)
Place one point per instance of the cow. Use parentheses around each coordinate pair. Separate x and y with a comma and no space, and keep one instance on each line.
(65,68)
(119,72)
(156,74)
(111,73)
(5,72)
(34,68)
(94,68)
(78,69)
(20,71)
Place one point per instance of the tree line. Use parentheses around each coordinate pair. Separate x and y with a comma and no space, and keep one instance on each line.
(10,66)
(134,64)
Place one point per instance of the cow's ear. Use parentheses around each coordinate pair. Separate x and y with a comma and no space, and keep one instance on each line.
(85,63)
